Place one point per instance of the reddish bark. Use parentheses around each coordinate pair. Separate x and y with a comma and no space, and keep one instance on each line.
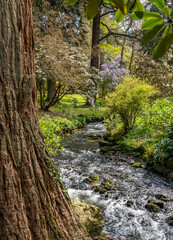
(32,203)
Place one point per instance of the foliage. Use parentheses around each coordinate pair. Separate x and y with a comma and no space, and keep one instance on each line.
(68,66)
(49,130)
(154,22)
(54,127)
(149,131)
(154,72)
(157,116)
(128,100)
(165,146)
(59,60)
(111,75)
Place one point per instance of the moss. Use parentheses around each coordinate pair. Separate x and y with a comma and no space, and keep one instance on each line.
(105,143)
(106,149)
(137,164)
(94,137)
(92,179)
(106,185)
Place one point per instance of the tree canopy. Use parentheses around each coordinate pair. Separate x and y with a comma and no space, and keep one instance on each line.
(153,22)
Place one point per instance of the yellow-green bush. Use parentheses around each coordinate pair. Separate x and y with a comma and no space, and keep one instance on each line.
(128,100)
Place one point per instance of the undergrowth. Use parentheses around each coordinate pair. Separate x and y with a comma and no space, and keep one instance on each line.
(53,128)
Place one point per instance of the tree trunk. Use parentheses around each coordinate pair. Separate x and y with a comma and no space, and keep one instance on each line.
(32,203)
(102,59)
(122,51)
(95,50)
(132,56)
(51,89)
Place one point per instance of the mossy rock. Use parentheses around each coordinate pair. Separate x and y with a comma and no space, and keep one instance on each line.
(91,179)
(89,140)
(162,197)
(130,203)
(89,216)
(100,189)
(137,164)
(94,136)
(106,149)
(105,143)
(105,186)
(169,220)
(154,206)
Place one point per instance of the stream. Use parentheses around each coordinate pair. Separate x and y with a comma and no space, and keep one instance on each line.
(81,158)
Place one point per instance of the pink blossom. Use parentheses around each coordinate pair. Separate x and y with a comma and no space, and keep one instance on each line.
(123,238)
(108,236)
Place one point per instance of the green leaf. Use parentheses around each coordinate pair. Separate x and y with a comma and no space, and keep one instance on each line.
(138,11)
(139,14)
(159,3)
(92,8)
(149,35)
(120,4)
(163,46)
(139,6)
(167,31)
(119,16)
(145,15)
(166,11)
(151,22)
(71,2)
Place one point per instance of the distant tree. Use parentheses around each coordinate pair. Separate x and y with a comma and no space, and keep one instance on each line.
(111,75)
(154,72)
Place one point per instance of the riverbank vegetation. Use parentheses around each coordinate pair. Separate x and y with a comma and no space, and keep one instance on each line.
(115,81)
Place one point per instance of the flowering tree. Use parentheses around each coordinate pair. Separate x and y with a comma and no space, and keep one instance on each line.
(156,73)
(66,66)
(111,75)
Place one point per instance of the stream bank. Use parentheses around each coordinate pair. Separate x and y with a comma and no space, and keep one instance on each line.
(124,205)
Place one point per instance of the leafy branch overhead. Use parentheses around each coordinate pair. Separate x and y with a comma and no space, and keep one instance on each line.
(153,22)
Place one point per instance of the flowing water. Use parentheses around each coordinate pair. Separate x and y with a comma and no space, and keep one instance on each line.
(81,158)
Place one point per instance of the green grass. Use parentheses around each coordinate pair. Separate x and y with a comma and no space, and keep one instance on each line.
(68,99)
(66,107)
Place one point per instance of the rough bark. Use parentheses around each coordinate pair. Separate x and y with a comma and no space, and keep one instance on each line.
(32,203)
(95,50)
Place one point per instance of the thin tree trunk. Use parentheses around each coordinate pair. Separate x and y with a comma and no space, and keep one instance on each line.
(95,50)
(32,203)
(122,51)
(132,56)
(102,59)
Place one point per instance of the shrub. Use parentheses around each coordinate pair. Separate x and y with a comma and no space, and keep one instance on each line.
(165,146)
(128,100)
(157,116)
